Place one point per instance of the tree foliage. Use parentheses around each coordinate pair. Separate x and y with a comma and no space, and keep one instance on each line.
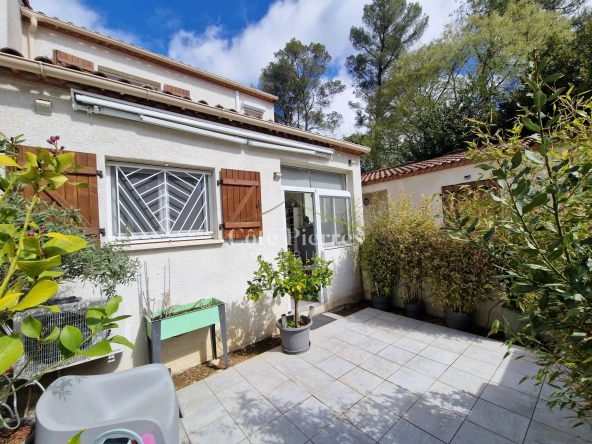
(297,77)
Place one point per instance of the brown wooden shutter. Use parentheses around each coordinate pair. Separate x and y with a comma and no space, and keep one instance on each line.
(241,204)
(179,92)
(61,58)
(85,199)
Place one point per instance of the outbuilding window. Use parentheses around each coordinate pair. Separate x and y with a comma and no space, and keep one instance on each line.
(335,220)
(154,202)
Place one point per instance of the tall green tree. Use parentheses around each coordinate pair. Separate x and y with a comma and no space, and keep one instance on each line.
(297,77)
(389,28)
(501,6)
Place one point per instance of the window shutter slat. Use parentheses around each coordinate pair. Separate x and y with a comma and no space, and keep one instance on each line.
(61,58)
(241,204)
(176,91)
(85,199)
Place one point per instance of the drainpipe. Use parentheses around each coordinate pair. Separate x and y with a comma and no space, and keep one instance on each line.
(237,101)
(31,37)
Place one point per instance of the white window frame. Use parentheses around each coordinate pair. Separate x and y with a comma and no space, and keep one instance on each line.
(167,236)
(327,193)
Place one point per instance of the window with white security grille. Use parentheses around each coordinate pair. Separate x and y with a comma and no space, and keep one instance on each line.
(153,202)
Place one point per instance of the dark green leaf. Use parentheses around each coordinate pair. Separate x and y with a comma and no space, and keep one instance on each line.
(101,348)
(71,338)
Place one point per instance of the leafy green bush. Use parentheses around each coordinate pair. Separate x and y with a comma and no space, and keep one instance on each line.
(542,242)
(291,276)
(31,257)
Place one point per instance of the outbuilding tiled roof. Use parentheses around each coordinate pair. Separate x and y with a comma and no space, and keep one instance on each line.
(450,160)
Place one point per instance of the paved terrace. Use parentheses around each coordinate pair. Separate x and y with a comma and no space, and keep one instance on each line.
(378,377)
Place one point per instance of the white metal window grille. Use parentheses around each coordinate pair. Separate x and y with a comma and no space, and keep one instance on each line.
(159,202)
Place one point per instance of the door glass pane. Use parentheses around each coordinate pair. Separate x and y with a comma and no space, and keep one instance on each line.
(327,181)
(327,224)
(341,219)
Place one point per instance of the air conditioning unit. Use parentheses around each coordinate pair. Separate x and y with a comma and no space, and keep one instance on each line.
(73,312)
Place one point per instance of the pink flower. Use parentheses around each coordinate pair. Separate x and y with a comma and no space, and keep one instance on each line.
(43,227)
(62,147)
(30,234)
(52,150)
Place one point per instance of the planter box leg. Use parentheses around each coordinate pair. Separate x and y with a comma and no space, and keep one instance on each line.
(213,338)
(222,313)
(154,344)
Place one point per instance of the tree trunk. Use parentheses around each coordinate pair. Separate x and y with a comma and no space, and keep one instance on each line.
(296,312)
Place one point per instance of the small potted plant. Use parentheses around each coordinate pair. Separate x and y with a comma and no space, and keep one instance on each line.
(462,278)
(297,279)
(412,296)
(381,299)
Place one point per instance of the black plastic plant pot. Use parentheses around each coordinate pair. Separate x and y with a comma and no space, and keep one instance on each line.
(381,303)
(459,321)
(295,340)
(415,311)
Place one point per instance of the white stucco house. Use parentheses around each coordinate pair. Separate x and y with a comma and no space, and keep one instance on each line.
(188,166)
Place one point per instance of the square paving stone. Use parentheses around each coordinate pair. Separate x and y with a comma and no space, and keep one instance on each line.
(274,356)
(520,366)
(293,366)
(287,396)
(315,354)
(394,398)
(438,422)
(371,311)
(351,337)
(410,345)
(387,337)
(542,434)
(238,395)
(451,344)
(311,416)
(371,345)
(335,366)
(413,323)
(490,344)
(380,366)
(223,430)
(450,398)
(411,380)
(516,381)
(439,355)
(363,329)
(254,415)
(391,317)
(341,432)
(426,367)
(279,431)
(484,354)
(202,414)
(371,418)
(361,380)
(423,336)
(396,355)
(332,345)
(331,329)
(510,399)
(223,379)
(252,366)
(404,432)
(317,336)
(470,433)
(354,354)
(560,420)
(463,381)
(338,396)
(313,380)
(267,380)
(194,393)
(378,323)
(499,420)
(475,367)
(360,316)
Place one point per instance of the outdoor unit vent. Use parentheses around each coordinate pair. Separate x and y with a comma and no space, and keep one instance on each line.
(72,313)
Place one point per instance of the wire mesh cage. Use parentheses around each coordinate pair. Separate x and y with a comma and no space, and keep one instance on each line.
(45,356)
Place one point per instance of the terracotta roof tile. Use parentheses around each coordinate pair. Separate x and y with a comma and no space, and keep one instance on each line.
(450,160)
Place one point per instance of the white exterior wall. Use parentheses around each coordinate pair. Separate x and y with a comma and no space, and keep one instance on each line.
(429,186)
(199,269)
(46,40)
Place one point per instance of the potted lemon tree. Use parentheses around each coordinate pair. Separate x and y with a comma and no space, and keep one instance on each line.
(297,279)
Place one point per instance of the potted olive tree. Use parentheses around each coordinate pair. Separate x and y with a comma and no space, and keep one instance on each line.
(462,277)
(297,279)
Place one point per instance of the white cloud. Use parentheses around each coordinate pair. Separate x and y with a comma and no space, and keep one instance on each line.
(81,14)
(242,57)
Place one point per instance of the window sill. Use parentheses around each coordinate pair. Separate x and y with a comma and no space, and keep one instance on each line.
(335,247)
(171,243)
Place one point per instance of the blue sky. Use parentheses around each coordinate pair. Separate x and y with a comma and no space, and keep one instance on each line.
(235,38)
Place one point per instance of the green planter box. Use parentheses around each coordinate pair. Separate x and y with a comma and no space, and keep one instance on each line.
(186,318)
